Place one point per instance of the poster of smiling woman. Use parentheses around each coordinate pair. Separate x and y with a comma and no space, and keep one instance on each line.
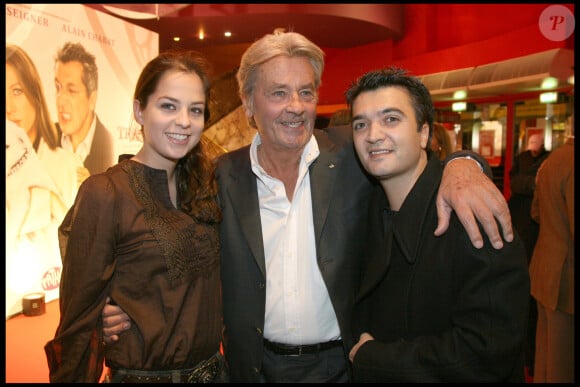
(70,75)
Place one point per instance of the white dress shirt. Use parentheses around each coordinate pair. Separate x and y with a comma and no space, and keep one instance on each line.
(298,307)
(84,148)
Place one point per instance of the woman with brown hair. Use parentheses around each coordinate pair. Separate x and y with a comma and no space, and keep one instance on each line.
(145,234)
(440,141)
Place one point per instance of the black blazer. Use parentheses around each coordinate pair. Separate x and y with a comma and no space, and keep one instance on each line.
(339,198)
(440,310)
(102,155)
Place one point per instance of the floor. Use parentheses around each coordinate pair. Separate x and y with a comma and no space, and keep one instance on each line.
(25,339)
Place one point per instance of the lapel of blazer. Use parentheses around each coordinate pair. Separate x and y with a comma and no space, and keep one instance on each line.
(93,162)
(323,173)
(100,155)
(243,197)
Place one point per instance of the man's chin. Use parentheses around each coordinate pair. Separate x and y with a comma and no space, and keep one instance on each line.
(66,129)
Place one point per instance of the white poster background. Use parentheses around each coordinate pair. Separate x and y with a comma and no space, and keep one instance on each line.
(121,50)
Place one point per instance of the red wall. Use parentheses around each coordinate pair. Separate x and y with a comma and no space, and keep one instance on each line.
(442,38)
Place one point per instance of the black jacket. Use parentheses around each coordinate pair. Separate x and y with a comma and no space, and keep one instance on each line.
(440,310)
(339,198)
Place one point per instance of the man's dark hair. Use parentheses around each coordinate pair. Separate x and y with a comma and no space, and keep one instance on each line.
(75,52)
(396,77)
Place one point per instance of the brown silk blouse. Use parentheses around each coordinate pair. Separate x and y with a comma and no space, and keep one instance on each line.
(124,239)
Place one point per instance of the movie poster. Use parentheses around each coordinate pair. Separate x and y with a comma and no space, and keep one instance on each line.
(75,67)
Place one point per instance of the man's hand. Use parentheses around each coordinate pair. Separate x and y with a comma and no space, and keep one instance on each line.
(115,321)
(467,190)
(364,337)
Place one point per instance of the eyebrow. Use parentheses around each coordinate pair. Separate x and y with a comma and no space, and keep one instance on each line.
(380,113)
(175,100)
(308,85)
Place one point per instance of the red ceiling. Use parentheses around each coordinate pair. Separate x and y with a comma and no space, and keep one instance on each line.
(425,38)
(328,25)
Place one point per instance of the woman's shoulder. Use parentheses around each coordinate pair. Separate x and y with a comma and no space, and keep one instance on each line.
(114,175)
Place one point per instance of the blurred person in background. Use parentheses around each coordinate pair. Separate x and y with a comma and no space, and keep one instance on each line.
(522,185)
(339,118)
(440,142)
(552,266)
(338,130)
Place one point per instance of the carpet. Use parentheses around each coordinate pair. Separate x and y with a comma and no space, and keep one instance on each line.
(25,339)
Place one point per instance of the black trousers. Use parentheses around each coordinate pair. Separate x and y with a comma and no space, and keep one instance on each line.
(328,366)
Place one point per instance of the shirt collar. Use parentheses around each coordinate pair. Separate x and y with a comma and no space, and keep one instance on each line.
(309,154)
(84,148)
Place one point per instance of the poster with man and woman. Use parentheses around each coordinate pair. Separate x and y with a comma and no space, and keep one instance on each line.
(70,75)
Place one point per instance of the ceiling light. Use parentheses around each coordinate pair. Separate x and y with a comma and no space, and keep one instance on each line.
(176,38)
(549,97)
(460,94)
(227,34)
(459,106)
(549,83)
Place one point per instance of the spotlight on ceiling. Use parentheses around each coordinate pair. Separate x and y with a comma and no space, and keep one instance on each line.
(549,83)
(459,95)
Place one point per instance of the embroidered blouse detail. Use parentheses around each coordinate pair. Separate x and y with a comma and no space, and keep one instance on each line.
(183,260)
